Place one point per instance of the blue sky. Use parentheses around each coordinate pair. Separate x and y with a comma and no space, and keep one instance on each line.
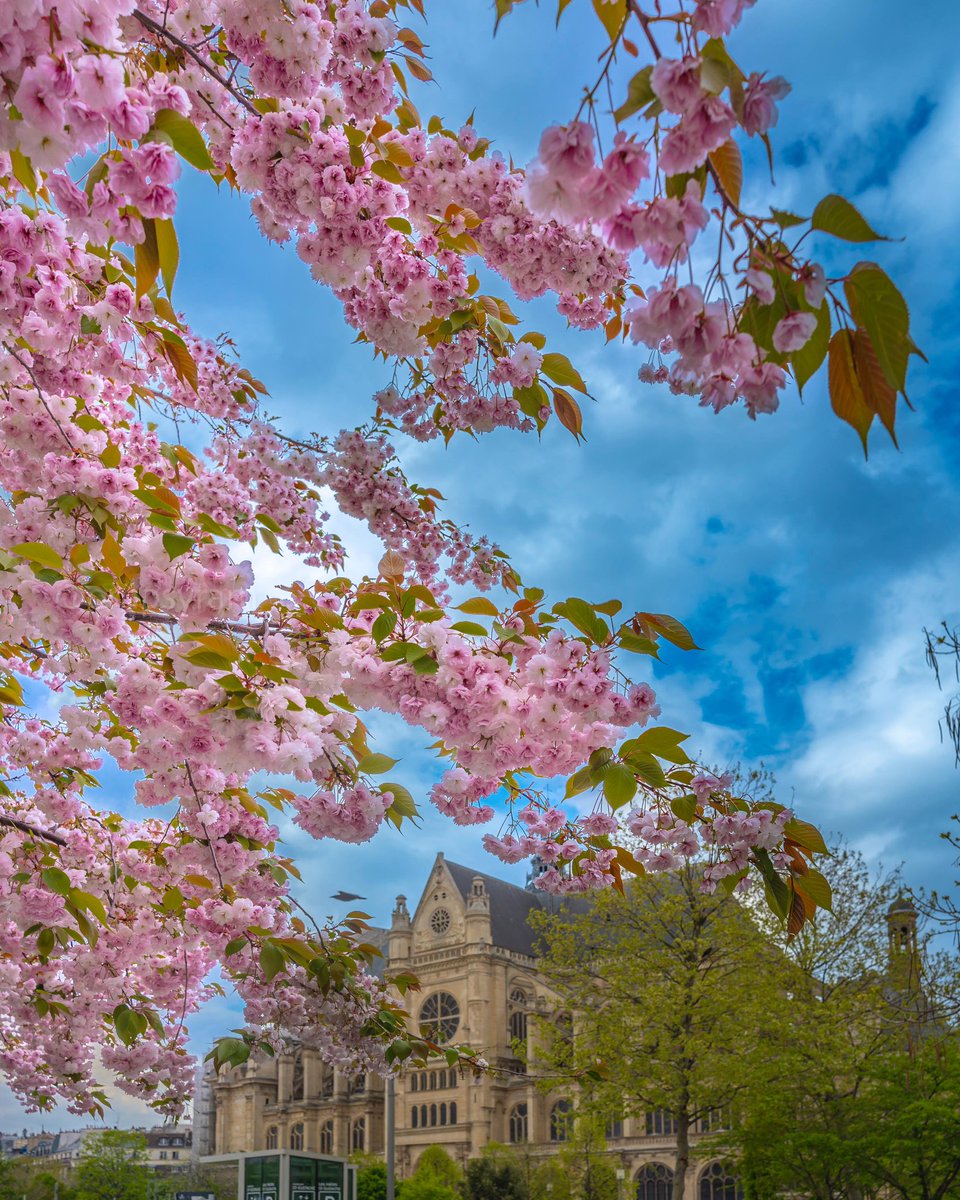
(805,572)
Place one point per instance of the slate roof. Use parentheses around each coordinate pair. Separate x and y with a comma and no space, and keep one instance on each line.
(510,907)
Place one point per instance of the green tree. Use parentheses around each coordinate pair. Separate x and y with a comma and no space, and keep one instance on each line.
(112,1167)
(372,1181)
(496,1174)
(437,1177)
(683,990)
(860,1098)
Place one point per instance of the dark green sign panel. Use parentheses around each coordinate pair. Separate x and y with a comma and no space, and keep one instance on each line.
(309,1179)
(261,1178)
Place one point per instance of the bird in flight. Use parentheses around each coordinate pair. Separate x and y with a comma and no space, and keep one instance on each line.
(346,896)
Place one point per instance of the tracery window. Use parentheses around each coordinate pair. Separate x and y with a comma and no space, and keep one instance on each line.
(519,1124)
(358,1085)
(271,1142)
(296,1137)
(326,1137)
(358,1135)
(717,1183)
(561,1120)
(440,1017)
(654,1182)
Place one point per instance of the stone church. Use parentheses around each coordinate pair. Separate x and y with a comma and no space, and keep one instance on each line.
(469,943)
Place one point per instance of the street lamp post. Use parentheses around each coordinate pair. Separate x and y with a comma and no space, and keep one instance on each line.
(391,1136)
(621,1175)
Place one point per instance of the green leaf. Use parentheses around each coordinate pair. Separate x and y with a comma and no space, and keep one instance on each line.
(383,625)
(879,308)
(663,742)
(584,617)
(806,835)
(185,138)
(817,887)
(272,960)
(619,785)
(838,217)
(46,941)
(176,544)
(612,14)
(637,644)
(402,803)
(146,255)
(580,781)
(684,807)
(639,95)
(470,627)
(375,764)
(809,358)
(647,767)
(56,880)
(786,220)
(168,251)
(777,891)
(560,369)
(39,553)
(479,606)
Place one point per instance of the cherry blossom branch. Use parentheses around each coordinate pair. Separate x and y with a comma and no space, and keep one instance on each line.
(162,32)
(43,399)
(25,827)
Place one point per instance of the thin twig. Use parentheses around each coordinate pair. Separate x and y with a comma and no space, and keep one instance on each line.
(211,70)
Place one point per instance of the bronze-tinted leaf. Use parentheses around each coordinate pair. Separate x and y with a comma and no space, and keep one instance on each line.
(846,394)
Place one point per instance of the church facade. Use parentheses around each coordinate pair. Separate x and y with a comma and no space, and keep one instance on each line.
(469,943)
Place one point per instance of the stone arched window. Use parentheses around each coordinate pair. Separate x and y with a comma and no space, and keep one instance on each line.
(296,1090)
(714,1120)
(517,1020)
(654,1182)
(433,1080)
(561,1120)
(358,1085)
(414,1078)
(358,1135)
(271,1142)
(296,1136)
(414,1114)
(519,1124)
(717,1182)
(443,1114)
(660,1123)
(453,1113)
(423,1116)
(614,1129)
(433,1114)
(326,1137)
(440,1017)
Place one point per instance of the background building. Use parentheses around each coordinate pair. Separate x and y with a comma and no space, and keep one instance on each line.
(469,942)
